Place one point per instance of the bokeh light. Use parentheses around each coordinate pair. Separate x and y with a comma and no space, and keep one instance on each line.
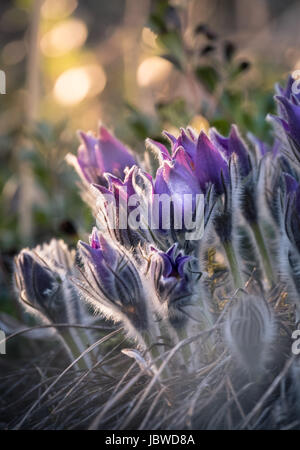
(58,9)
(75,84)
(153,70)
(64,37)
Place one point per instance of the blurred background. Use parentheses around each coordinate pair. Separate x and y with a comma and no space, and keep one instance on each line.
(137,66)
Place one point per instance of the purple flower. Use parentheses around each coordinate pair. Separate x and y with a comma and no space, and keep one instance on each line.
(291,118)
(132,184)
(233,144)
(263,148)
(176,178)
(291,184)
(101,154)
(110,281)
(196,158)
(133,194)
(174,264)
(40,280)
(210,165)
(173,283)
(291,211)
(287,120)
(287,90)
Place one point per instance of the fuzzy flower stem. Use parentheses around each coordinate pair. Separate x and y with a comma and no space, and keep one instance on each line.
(155,354)
(186,351)
(263,251)
(233,263)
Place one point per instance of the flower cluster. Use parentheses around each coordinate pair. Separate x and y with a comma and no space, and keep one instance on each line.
(147,274)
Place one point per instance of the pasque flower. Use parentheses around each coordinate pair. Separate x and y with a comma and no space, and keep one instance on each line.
(290,109)
(291,210)
(109,279)
(233,145)
(174,284)
(287,120)
(199,157)
(177,179)
(41,283)
(100,154)
(114,203)
(172,294)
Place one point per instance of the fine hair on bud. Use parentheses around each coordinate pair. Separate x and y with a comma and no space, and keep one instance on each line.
(42,285)
(109,280)
(249,333)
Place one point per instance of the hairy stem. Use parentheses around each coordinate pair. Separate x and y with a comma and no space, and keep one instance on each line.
(186,350)
(234,266)
(263,252)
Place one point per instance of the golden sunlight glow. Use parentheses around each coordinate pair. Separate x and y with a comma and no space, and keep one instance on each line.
(148,37)
(72,86)
(64,37)
(57,9)
(153,70)
(172,130)
(199,123)
(75,84)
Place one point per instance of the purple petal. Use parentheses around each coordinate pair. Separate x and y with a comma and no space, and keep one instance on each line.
(210,164)
(189,146)
(168,268)
(236,145)
(181,263)
(291,184)
(262,147)
(292,117)
(94,239)
(111,155)
(159,149)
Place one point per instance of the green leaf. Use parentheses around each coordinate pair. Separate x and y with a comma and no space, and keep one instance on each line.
(208,76)
(171,41)
(174,112)
(222,125)
(172,59)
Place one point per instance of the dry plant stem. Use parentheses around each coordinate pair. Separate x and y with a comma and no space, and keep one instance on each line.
(155,378)
(163,330)
(154,352)
(173,338)
(233,264)
(45,393)
(268,392)
(207,323)
(73,347)
(84,376)
(260,242)
(84,341)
